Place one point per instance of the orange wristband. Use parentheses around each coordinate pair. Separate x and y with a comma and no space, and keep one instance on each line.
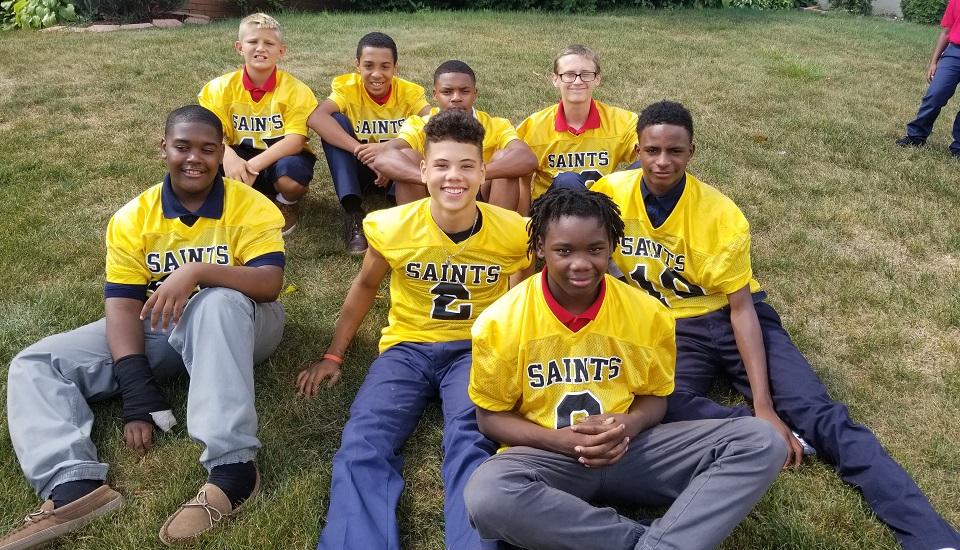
(335,358)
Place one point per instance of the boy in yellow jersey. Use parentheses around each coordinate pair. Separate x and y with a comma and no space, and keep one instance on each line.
(580,139)
(506,157)
(264,113)
(571,370)
(365,109)
(688,246)
(194,265)
(448,258)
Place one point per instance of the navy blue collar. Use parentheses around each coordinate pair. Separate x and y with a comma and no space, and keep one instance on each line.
(670,198)
(211,208)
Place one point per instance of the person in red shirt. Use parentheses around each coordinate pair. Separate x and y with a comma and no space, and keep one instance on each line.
(943,74)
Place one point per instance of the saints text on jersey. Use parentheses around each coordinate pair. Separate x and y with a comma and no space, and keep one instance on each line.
(465,274)
(578,159)
(252,123)
(573,370)
(378,127)
(169,260)
(648,248)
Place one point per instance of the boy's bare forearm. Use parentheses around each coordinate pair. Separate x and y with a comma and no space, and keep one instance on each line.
(509,428)
(124,327)
(260,284)
(940,46)
(359,300)
(515,161)
(322,122)
(396,166)
(290,144)
(749,338)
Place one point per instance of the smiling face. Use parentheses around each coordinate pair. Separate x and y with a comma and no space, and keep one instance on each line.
(376,68)
(261,49)
(193,152)
(576,251)
(452,172)
(577,91)
(455,91)
(664,150)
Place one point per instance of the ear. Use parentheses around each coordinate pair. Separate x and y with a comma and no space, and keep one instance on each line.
(423,171)
(555,79)
(283,50)
(599,80)
(539,248)
(356,64)
(163,148)
(221,150)
(435,98)
(693,149)
(238,46)
(636,151)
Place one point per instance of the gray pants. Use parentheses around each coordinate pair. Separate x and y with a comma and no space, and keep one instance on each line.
(219,338)
(710,473)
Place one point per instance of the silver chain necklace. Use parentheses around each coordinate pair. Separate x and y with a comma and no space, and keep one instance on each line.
(463,244)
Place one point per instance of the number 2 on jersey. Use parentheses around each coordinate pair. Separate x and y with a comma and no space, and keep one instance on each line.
(446,295)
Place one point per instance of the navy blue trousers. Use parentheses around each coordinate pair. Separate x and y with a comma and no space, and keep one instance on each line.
(706,347)
(944,84)
(367,479)
(350,176)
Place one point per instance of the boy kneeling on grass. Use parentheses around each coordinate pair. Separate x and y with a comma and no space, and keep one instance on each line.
(448,257)
(571,370)
(194,266)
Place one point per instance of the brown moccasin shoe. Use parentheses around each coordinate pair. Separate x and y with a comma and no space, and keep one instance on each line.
(49,523)
(201,514)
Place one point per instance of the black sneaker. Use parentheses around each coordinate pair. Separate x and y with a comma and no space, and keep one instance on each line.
(907,141)
(353,237)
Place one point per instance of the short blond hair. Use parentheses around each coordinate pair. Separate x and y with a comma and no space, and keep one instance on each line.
(580,50)
(259,21)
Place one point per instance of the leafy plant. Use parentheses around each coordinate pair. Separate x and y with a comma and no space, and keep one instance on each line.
(860,7)
(923,11)
(126,10)
(36,14)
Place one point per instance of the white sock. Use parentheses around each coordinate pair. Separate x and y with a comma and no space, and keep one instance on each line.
(282,200)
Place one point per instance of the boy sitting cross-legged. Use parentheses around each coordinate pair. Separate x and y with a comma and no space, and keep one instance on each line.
(264,112)
(571,370)
(365,109)
(193,267)
(448,258)
(688,246)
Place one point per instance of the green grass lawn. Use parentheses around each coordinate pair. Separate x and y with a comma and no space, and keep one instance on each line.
(856,241)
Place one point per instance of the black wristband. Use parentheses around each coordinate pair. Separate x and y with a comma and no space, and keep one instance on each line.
(138,390)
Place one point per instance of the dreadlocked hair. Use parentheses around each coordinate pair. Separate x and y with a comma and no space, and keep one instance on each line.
(558,202)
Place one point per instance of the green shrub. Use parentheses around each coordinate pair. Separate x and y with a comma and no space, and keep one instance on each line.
(125,10)
(860,7)
(35,14)
(923,11)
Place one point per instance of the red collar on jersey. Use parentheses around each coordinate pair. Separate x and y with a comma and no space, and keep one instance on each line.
(257,92)
(381,100)
(592,123)
(572,321)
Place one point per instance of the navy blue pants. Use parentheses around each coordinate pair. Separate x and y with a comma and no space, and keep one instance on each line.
(367,477)
(350,176)
(706,347)
(944,84)
(297,167)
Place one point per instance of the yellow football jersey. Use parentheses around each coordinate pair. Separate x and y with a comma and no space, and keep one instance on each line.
(700,254)
(497,132)
(594,153)
(259,124)
(527,361)
(438,287)
(373,122)
(147,240)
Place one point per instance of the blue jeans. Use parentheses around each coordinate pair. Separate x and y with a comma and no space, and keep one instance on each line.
(350,176)
(219,338)
(706,347)
(944,84)
(367,479)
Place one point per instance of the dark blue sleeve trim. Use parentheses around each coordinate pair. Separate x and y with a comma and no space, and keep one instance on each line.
(270,258)
(116,290)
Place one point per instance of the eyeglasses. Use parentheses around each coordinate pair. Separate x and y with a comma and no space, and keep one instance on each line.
(585,76)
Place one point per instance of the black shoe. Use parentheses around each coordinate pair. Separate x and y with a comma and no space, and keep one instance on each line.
(353,237)
(907,141)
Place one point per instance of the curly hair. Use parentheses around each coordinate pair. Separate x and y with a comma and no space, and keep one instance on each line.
(455,126)
(665,112)
(559,202)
